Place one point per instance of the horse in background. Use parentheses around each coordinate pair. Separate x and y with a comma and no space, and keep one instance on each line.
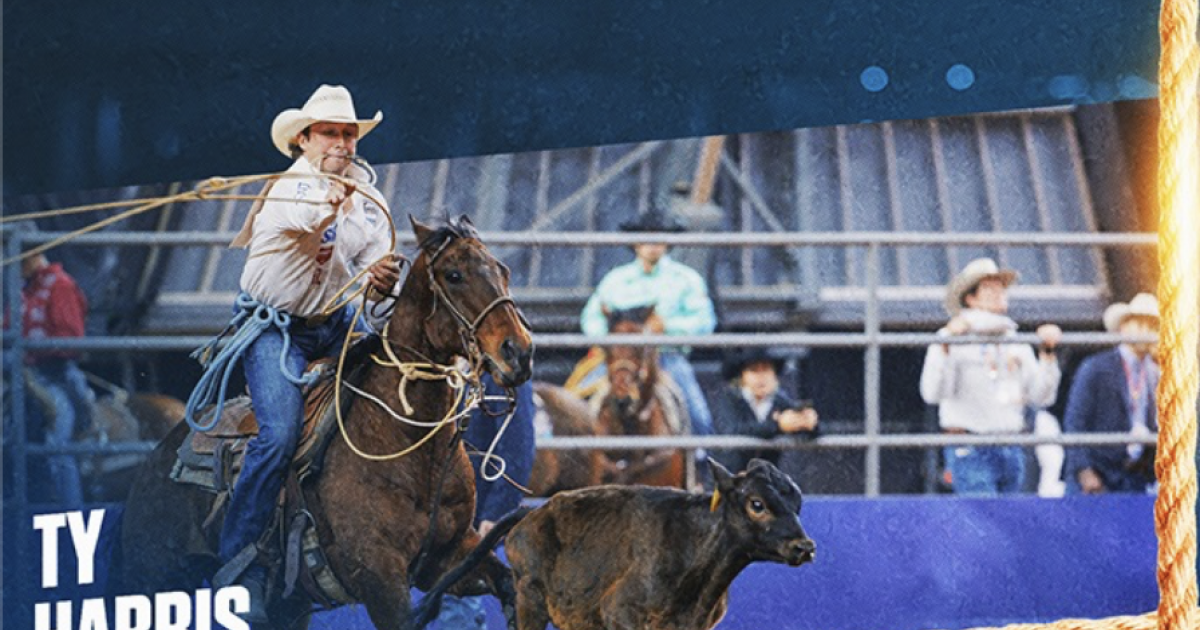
(121,416)
(118,416)
(562,413)
(641,400)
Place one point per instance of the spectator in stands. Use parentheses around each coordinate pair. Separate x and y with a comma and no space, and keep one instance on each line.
(752,404)
(306,241)
(54,306)
(493,499)
(984,388)
(681,306)
(1113,392)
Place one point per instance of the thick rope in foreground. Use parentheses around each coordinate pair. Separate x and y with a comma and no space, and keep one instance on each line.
(1179,341)
(1140,622)
(1178,297)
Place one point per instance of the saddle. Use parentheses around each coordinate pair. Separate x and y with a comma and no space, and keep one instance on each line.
(212,460)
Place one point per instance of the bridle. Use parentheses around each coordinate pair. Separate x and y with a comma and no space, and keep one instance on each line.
(468,327)
(466,383)
(642,371)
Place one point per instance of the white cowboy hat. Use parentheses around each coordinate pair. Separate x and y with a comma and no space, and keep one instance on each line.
(975,272)
(1142,305)
(330,103)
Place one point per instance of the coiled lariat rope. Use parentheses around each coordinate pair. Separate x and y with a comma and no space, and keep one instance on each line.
(252,318)
(1179,340)
(206,190)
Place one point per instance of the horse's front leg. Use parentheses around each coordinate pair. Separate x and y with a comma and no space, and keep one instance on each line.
(385,595)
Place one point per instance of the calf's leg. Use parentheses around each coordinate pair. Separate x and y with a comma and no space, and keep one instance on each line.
(501,580)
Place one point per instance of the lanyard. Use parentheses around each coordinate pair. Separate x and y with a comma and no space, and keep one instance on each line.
(1135,380)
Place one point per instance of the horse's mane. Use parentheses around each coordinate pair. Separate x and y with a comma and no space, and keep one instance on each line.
(362,349)
(636,315)
(449,229)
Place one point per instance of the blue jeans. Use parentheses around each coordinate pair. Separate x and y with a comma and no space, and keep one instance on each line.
(73,400)
(985,470)
(279,408)
(461,613)
(680,369)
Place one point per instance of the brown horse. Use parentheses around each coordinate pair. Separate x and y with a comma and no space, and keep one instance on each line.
(566,415)
(373,518)
(116,417)
(124,417)
(638,402)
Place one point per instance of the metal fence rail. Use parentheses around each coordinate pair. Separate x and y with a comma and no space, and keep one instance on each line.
(572,340)
(722,442)
(700,239)
(872,339)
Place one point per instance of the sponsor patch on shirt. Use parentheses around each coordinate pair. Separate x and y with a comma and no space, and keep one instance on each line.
(324,252)
(370,212)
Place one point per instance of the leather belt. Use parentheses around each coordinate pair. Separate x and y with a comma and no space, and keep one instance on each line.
(311,322)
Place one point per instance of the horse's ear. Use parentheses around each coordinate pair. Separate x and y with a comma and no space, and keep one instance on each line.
(467,227)
(419,229)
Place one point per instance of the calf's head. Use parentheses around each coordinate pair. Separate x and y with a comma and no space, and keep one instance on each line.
(761,509)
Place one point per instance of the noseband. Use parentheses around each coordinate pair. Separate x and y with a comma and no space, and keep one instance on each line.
(642,372)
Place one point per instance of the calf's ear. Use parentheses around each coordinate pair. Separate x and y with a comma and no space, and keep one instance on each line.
(722,478)
(757,463)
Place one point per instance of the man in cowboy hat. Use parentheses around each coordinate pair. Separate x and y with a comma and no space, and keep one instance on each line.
(1113,392)
(985,388)
(680,300)
(308,237)
(753,404)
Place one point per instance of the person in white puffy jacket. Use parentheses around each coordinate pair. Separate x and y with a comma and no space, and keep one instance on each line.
(985,388)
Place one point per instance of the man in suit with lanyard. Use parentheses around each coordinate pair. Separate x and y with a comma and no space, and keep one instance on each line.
(1113,392)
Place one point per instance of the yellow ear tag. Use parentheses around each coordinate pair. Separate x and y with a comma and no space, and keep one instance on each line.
(716,500)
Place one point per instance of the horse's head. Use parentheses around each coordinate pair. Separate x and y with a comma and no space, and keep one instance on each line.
(632,370)
(471,312)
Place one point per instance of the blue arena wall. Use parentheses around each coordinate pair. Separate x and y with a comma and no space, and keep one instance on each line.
(889,564)
(941,562)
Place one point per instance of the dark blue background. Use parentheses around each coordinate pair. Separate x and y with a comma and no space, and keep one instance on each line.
(99,94)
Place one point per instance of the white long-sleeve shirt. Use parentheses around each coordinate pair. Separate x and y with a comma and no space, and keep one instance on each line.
(984,388)
(302,253)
